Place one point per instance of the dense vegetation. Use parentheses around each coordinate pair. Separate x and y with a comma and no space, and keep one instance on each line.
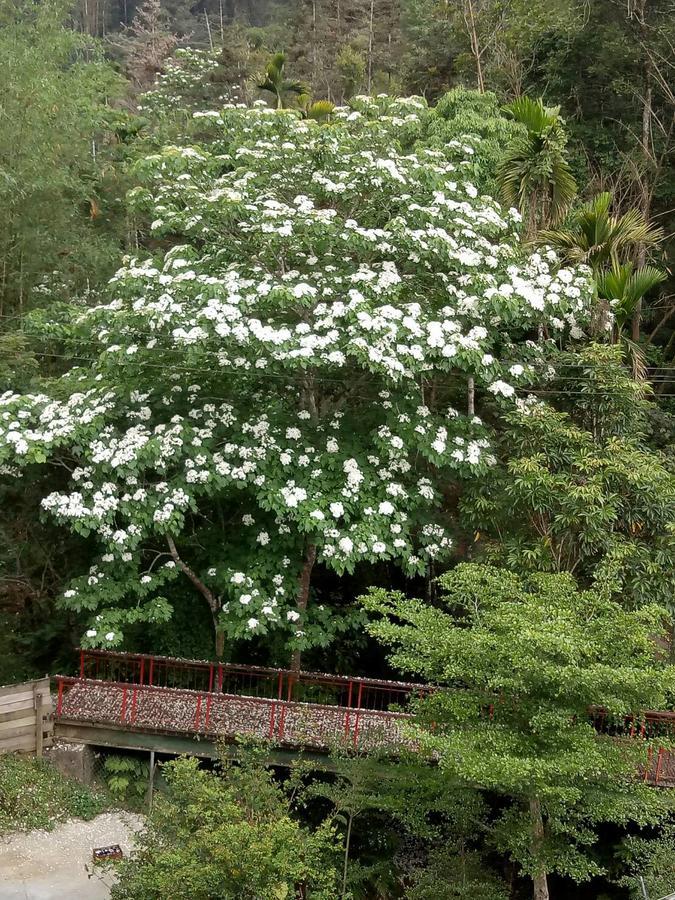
(34,795)
(350,304)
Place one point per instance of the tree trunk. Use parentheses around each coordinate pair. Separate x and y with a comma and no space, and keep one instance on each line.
(371,25)
(346,865)
(646,199)
(475,49)
(303,596)
(540,879)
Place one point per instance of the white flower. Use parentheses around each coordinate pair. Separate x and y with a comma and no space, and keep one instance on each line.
(292,615)
(91,633)
(501,387)
(386,508)
(379,547)
(346,545)
(211,572)
(263,538)
(245,599)
(253,623)
(110,635)
(516,370)
(337,510)
(70,593)
(146,579)
(247,519)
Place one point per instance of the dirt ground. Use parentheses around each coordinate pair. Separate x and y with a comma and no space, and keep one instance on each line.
(41,865)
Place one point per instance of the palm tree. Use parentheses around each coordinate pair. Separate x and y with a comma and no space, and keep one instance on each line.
(624,288)
(319,110)
(534,174)
(276,83)
(597,238)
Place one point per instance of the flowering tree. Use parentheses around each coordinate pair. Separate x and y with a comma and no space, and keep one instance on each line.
(324,346)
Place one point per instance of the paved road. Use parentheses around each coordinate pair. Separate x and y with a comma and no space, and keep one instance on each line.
(44,865)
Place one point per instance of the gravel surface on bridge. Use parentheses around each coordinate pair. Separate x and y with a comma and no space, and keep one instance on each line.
(226,715)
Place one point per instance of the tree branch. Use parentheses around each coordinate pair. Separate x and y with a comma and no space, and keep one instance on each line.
(210,597)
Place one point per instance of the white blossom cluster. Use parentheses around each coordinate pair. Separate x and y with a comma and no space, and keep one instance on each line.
(300,357)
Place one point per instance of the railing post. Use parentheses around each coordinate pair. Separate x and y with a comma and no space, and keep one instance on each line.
(150,673)
(659,760)
(81,663)
(356,729)
(273,711)
(210,678)
(59,702)
(207,718)
(142,671)
(123,711)
(282,720)
(198,713)
(648,767)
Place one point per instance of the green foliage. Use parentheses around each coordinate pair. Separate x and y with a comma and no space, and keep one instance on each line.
(596,237)
(34,795)
(126,777)
(534,174)
(59,223)
(654,859)
(275,81)
(523,659)
(227,836)
(626,286)
(579,490)
(453,876)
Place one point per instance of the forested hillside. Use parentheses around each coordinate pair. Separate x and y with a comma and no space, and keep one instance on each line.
(340,337)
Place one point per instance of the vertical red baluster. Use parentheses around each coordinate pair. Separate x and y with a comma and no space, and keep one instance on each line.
(356,729)
(198,713)
(59,702)
(347,716)
(210,678)
(133,706)
(360,694)
(349,695)
(142,672)
(648,767)
(282,720)
(207,718)
(81,663)
(124,705)
(273,711)
(150,673)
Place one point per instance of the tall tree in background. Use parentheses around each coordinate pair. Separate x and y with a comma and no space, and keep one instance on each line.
(147,43)
(54,142)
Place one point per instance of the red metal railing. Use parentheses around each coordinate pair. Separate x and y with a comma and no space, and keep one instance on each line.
(292,723)
(252,681)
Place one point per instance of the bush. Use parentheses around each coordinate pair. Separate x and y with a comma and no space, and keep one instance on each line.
(34,795)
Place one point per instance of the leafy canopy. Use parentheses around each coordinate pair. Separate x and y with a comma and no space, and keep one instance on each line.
(289,377)
(522,660)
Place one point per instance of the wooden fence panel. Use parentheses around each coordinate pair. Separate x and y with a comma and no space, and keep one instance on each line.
(26,721)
